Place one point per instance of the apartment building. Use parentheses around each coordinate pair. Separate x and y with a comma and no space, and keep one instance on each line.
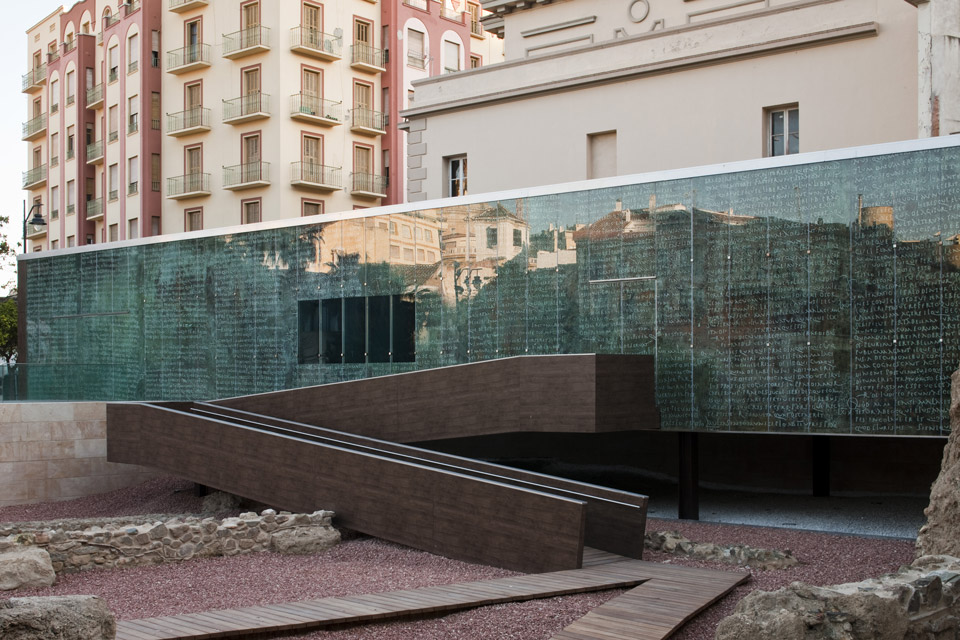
(599,89)
(430,38)
(93,160)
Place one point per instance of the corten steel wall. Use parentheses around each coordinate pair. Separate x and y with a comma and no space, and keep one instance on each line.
(431,509)
(814,293)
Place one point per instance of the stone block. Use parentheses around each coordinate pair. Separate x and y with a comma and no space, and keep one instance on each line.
(417,149)
(416,197)
(414,161)
(9,412)
(417,124)
(91,448)
(89,411)
(26,568)
(57,618)
(46,412)
(417,174)
(415,138)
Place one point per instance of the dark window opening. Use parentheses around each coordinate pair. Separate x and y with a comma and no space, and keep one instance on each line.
(374,329)
(491,238)
(517,238)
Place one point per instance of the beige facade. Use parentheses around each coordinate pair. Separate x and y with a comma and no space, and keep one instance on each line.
(614,87)
(272,110)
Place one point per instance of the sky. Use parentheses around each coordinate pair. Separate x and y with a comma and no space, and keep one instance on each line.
(13,113)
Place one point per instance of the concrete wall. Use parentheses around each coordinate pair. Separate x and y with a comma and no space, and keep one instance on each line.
(58,451)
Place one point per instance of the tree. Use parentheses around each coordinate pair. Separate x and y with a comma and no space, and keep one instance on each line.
(8,329)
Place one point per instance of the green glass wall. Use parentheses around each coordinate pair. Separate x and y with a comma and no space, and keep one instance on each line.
(821,297)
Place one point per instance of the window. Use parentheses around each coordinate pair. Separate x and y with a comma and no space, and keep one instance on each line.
(250,16)
(155,110)
(71,87)
(133,114)
(456,182)
(783,127)
(491,237)
(133,175)
(113,179)
(312,89)
(386,166)
(88,136)
(114,233)
(54,96)
(312,207)
(71,241)
(362,32)
(251,212)
(133,229)
(416,54)
(54,149)
(113,58)
(405,232)
(71,197)
(54,202)
(475,62)
(113,122)
(37,157)
(517,238)
(194,160)
(601,154)
(357,330)
(193,219)
(155,49)
(193,96)
(54,244)
(155,172)
(133,53)
(154,225)
(71,142)
(451,56)
(312,158)
(312,23)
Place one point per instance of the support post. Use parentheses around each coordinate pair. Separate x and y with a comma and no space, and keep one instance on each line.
(689,490)
(821,466)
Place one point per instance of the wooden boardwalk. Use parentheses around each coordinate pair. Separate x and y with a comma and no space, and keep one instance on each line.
(670,597)
(677,594)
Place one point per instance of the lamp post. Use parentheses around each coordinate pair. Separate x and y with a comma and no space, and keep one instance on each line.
(37,220)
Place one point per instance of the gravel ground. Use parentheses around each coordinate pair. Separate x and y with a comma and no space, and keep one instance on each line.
(366,565)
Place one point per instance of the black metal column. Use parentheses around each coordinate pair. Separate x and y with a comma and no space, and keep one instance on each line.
(820,451)
(689,494)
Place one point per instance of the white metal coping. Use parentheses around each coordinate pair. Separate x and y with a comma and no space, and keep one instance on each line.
(812,157)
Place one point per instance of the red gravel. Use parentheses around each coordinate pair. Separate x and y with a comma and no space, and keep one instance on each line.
(368,565)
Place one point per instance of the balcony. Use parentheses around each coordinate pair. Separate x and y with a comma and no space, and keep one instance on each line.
(35,178)
(476,29)
(316,110)
(109,21)
(95,152)
(450,14)
(185,123)
(34,79)
(95,96)
(246,176)
(246,108)
(192,185)
(35,128)
(133,123)
(368,122)
(36,230)
(53,56)
(368,185)
(189,58)
(363,57)
(417,4)
(132,5)
(246,42)
(417,60)
(309,175)
(316,44)
(94,209)
(179,6)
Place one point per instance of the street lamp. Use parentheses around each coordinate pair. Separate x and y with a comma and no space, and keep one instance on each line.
(37,220)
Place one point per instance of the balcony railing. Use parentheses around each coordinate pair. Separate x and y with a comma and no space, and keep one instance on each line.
(313,42)
(246,176)
(417,60)
(417,4)
(246,41)
(95,96)
(94,209)
(366,58)
(132,5)
(71,154)
(114,195)
(185,5)
(35,177)
(476,29)
(447,69)
(109,21)
(133,66)
(54,161)
(71,99)
(71,209)
(311,175)
(133,123)
(133,188)
(54,214)
(315,109)
(187,58)
(35,127)
(249,107)
(53,56)
(55,108)
(113,75)
(368,122)
(36,230)
(69,46)
(34,78)
(95,152)
(191,185)
(190,121)
(113,136)
(450,14)
(368,185)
